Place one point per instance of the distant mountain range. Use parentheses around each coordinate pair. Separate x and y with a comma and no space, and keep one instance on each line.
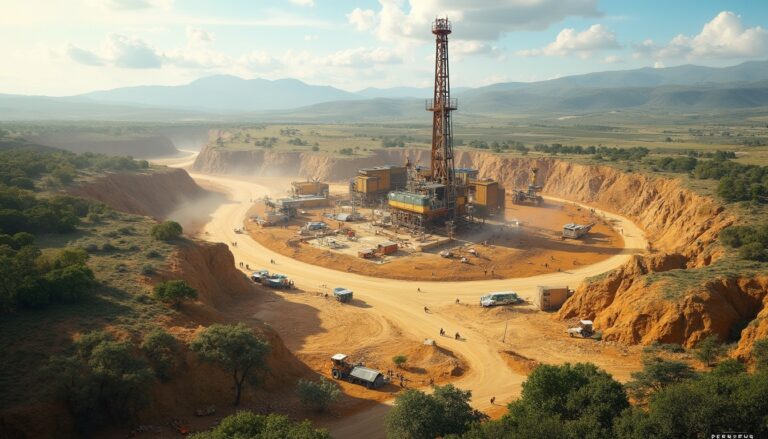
(686,87)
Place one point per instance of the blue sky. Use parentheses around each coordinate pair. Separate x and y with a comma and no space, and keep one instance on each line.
(62,48)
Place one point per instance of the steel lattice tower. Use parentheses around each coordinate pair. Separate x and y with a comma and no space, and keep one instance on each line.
(441,106)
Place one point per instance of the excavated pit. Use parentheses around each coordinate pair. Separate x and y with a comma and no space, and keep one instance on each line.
(682,227)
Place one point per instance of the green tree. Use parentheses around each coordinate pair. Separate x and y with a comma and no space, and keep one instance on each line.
(657,373)
(583,398)
(317,394)
(174,292)
(418,415)
(101,381)
(709,350)
(166,231)
(399,360)
(457,414)
(415,415)
(245,424)
(161,348)
(235,348)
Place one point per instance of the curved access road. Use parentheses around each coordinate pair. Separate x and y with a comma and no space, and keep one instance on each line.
(397,300)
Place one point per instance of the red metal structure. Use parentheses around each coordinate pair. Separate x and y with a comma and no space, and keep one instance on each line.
(441,106)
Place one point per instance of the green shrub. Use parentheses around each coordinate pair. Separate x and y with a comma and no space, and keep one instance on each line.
(246,424)
(174,292)
(317,394)
(166,231)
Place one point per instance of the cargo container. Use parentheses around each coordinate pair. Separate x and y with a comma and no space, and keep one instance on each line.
(486,193)
(550,298)
(387,247)
(309,188)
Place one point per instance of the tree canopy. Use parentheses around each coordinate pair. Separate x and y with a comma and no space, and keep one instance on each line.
(174,292)
(249,425)
(417,415)
(235,348)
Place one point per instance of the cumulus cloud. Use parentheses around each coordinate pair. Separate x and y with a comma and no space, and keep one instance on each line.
(130,52)
(612,59)
(571,42)
(83,56)
(195,35)
(361,57)
(362,19)
(725,36)
(476,19)
(119,51)
(472,47)
(303,2)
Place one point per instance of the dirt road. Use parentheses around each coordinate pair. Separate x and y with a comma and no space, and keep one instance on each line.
(398,300)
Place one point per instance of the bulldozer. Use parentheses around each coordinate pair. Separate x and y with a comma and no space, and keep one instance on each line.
(341,369)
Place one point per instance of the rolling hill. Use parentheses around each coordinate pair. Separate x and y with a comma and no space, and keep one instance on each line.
(225,93)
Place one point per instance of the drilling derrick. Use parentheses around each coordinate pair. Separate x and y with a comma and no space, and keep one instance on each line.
(441,106)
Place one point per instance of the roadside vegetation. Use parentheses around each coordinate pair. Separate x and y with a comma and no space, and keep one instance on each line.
(668,400)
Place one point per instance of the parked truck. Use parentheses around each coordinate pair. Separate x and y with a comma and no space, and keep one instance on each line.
(342,294)
(341,369)
(583,330)
(500,298)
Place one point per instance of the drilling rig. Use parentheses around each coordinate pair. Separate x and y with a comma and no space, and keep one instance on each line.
(436,198)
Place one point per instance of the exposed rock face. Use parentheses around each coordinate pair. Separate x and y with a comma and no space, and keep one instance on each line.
(681,225)
(155,193)
(210,268)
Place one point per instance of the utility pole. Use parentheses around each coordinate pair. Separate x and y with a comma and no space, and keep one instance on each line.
(504,339)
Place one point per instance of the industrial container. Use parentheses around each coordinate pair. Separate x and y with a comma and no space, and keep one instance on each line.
(309,188)
(387,247)
(486,193)
(550,298)
(367,184)
(410,202)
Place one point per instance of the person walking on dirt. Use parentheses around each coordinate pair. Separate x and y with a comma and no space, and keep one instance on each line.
(457,336)
(457,301)
(493,400)
(442,332)
(426,309)
(418,290)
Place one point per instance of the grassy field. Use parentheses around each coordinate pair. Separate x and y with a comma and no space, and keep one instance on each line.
(749,138)
(120,250)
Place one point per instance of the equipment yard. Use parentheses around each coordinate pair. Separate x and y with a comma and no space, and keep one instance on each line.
(494,250)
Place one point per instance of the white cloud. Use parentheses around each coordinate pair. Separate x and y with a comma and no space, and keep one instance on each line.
(612,59)
(310,37)
(723,37)
(130,52)
(658,65)
(196,35)
(570,42)
(473,19)
(363,19)
(361,57)
(83,56)
(303,2)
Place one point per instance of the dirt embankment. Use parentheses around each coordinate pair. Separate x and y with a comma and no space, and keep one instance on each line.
(222,289)
(156,193)
(682,227)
